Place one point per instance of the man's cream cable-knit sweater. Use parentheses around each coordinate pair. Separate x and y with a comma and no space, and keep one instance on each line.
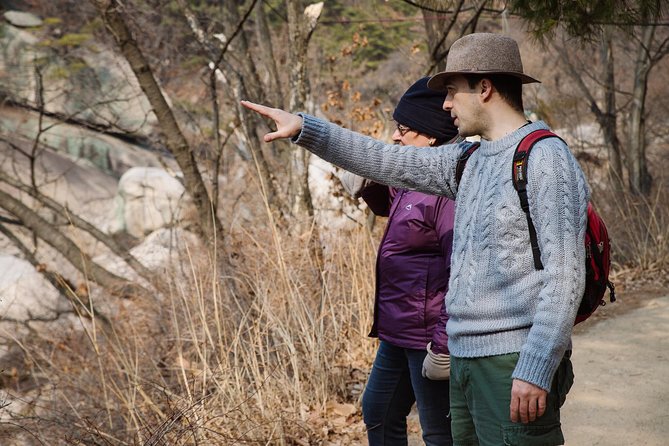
(498,303)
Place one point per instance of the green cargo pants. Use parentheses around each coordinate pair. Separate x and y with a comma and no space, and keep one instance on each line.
(480,399)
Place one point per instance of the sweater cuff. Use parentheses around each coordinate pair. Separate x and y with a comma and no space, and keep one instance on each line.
(312,135)
(537,370)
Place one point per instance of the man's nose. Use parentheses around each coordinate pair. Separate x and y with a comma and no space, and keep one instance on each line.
(448,104)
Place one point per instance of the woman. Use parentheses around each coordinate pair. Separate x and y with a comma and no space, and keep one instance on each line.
(411,280)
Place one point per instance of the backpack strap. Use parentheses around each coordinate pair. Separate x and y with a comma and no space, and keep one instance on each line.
(519,175)
(462,161)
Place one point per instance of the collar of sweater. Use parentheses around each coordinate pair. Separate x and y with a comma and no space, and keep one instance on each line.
(490,148)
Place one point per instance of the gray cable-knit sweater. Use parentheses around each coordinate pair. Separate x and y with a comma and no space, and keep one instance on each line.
(497,301)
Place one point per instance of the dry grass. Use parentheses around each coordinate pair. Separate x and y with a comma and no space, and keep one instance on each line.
(273,351)
(639,231)
(261,355)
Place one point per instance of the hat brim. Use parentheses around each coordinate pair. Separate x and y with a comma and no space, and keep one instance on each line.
(438,81)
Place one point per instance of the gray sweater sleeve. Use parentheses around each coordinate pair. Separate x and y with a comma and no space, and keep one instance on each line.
(558,197)
(425,169)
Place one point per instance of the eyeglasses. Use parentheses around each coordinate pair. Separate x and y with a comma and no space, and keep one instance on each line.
(403,129)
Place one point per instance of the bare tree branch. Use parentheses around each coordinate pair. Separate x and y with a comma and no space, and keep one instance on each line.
(80,223)
(111,12)
(10,221)
(68,249)
(64,286)
(220,71)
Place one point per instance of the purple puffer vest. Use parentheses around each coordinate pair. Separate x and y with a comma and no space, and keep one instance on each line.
(412,267)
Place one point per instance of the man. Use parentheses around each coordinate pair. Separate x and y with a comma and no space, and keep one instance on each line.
(510,323)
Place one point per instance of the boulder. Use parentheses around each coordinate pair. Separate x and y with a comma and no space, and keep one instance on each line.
(86,190)
(149,198)
(92,85)
(25,293)
(22,19)
(161,251)
(113,156)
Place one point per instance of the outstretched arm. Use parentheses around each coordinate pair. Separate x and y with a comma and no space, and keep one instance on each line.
(425,169)
(288,125)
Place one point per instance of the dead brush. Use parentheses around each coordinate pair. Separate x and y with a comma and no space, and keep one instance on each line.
(210,363)
(639,231)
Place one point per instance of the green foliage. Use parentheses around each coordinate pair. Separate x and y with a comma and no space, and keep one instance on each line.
(72,39)
(93,25)
(369,31)
(585,18)
(52,21)
(66,70)
(194,62)
(59,73)
(275,10)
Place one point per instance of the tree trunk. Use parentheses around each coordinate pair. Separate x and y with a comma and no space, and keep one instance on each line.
(241,82)
(111,12)
(608,121)
(67,248)
(247,134)
(640,180)
(607,118)
(275,93)
(301,25)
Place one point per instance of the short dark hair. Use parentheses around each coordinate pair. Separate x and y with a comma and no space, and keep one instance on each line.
(509,87)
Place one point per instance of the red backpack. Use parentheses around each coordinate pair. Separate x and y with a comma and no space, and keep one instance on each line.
(597,243)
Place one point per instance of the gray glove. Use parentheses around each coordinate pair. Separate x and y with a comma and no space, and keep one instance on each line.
(353,184)
(436,366)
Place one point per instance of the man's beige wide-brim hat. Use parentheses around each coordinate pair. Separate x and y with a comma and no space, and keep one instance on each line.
(483,53)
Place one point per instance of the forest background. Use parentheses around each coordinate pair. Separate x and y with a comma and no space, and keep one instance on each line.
(226,299)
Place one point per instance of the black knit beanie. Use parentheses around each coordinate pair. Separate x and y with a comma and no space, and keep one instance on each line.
(421,110)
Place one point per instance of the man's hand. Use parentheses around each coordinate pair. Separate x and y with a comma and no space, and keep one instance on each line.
(287,124)
(528,402)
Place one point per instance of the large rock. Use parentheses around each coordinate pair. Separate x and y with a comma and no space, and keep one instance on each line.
(85,188)
(17,62)
(111,155)
(160,251)
(96,86)
(22,19)
(149,198)
(24,293)
(334,208)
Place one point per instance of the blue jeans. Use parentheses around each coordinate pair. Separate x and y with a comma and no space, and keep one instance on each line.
(396,382)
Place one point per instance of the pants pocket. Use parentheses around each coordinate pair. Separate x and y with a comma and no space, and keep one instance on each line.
(533,435)
(565,379)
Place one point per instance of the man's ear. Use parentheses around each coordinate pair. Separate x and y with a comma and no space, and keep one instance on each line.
(485,89)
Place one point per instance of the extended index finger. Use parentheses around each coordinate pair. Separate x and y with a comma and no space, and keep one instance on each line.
(263,110)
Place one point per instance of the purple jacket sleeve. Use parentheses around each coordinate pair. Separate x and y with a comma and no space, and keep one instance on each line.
(379,198)
(444,217)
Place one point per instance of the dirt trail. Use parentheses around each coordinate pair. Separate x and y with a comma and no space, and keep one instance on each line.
(621,393)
